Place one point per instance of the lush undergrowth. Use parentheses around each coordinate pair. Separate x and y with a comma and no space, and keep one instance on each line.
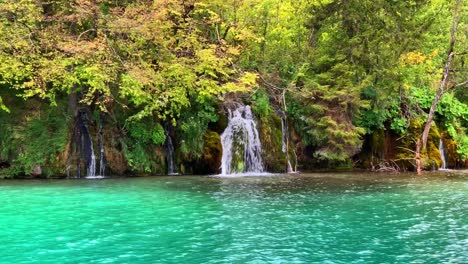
(351,90)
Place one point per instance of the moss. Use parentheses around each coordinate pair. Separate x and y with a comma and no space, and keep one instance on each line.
(271,135)
(433,153)
(450,146)
(433,160)
(210,159)
(212,151)
(405,146)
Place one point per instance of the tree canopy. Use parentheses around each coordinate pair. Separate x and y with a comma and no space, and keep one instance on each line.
(341,70)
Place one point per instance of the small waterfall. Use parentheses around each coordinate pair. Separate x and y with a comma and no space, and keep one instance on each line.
(88,149)
(285,141)
(82,149)
(442,154)
(91,171)
(242,150)
(170,154)
(102,158)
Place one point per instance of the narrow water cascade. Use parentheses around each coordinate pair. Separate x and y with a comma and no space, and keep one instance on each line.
(442,155)
(102,158)
(91,171)
(285,141)
(88,149)
(242,150)
(171,170)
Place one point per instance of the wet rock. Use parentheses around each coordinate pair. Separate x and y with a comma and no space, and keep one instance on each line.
(210,162)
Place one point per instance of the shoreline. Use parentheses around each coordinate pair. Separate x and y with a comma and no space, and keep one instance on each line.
(437,173)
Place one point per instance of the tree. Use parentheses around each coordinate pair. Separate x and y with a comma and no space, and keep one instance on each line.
(421,144)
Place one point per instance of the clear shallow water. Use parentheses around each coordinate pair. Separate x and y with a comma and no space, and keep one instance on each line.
(316,218)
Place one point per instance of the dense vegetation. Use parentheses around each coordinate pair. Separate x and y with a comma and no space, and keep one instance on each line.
(355,79)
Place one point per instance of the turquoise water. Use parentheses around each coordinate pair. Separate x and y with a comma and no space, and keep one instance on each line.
(315,218)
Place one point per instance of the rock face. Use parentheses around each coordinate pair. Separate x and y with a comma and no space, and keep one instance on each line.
(139,150)
(210,162)
(271,137)
(36,171)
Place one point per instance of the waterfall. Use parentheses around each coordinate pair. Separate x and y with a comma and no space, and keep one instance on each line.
(285,141)
(92,165)
(170,154)
(82,146)
(88,149)
(442,154)
(242,150)
(102,158)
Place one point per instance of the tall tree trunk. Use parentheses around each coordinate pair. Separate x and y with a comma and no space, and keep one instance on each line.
(421,144)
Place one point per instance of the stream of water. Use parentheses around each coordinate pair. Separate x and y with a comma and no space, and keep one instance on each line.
(442,155)
(303,218)
(242,149)
(170,154)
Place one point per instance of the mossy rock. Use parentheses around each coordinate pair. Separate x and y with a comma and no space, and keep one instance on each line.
(451,155)
(430,157)
(212,151)
(116,161)
(434,160)
(274,160)
(210,161)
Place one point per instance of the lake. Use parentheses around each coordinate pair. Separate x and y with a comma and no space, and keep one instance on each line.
(303,218)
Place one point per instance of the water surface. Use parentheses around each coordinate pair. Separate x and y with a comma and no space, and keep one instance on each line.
(305,218)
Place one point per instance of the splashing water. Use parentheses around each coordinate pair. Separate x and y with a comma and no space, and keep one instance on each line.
(242,150)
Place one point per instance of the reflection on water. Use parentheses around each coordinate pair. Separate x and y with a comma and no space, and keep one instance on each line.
(304,218)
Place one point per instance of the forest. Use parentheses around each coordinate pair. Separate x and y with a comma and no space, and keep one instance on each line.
(147,87)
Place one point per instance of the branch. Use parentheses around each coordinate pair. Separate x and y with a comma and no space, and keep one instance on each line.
(408,150)
(402,159)
(226,32)
(462,83)
(84,32)
(462,53)
(269,84)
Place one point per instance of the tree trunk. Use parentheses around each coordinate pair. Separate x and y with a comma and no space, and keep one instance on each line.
(439,94)
(421,143)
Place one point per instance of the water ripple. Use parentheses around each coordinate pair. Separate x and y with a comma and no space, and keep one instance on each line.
(318,218)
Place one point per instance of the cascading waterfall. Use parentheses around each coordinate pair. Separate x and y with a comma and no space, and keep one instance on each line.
(170,154)
(285,141)
(442,154)
(242,150)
